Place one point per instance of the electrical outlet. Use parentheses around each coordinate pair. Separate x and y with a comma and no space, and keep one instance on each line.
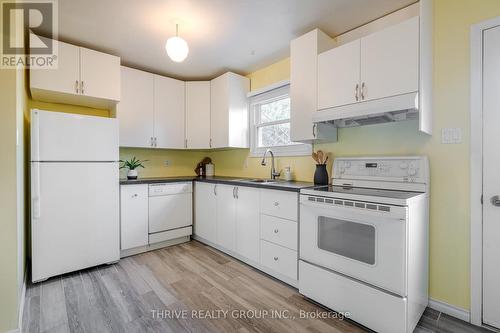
(451,135)
(166,163)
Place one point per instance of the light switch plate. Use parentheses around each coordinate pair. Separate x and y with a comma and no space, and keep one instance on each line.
(451,135)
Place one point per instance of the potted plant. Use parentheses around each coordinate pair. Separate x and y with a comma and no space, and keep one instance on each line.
(132,165)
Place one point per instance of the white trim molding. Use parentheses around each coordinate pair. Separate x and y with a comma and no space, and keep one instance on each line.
(476,169)
(270,87)
(449,309)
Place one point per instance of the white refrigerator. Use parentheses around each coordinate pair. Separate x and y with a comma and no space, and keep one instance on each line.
(74,192)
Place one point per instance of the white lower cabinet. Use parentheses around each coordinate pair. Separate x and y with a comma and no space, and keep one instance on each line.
(226,216)
(205,217)
(133,216)
(247,222)
(238,220)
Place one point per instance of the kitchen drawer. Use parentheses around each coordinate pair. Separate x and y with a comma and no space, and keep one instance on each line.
(279,259)
(279,203)
(378,310)
(279,231)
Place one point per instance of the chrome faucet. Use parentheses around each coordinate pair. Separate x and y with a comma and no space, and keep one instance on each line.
(274,174)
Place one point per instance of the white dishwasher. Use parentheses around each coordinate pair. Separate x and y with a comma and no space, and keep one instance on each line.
(170,211)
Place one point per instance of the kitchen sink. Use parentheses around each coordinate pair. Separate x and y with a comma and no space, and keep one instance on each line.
(262,181)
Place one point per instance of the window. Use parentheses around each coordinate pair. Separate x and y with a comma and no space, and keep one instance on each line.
(270,120)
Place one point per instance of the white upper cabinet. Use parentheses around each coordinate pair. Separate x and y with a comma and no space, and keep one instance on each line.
(338,75)
(99,74)
(169,113)
(304,86)
(229,111)
(64,79)
(380,65)
(135,110)
(390,61)
(151,112)
(198,114)
(83,77)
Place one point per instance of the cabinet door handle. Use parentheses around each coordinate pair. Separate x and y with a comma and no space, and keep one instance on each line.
(134,195)
(81,87)
(210,143)
(314,130)
(276,231)
(356,90)
(276,258)
(363,91)
(237,192)
(215,189)
(276,203)
(76,86)
(234,192)
(156,141)
(185,143)
(151,142)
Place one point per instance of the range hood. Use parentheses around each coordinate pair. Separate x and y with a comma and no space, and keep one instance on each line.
(379,111)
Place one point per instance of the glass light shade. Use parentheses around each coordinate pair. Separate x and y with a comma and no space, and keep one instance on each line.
(177,48)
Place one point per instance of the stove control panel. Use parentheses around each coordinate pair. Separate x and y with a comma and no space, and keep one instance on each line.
(413,169)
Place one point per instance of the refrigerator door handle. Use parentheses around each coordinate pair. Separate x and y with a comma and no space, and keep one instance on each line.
(35,135)
(35,195)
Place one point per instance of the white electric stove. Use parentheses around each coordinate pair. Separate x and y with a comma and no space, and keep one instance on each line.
(364,241)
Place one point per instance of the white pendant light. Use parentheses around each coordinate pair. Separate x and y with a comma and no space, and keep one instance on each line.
(177,48)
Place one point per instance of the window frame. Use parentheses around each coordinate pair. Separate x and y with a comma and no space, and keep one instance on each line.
(270,94)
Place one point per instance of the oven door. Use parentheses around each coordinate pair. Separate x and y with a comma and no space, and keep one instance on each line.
(363,241)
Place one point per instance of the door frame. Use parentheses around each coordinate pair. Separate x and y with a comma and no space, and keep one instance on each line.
(476,168)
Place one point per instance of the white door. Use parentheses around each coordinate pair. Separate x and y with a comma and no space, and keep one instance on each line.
(99,74)
(205,219)
(219,118)
(66,77)
(491,178)
(248,222)
(390,61)
(135,110)
(169,112)
(226,217)
(57,136)
(198,114)
(338,76)
(75,216)
(133,216)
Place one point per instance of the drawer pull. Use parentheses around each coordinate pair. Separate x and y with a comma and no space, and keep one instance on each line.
(276,231)
(134,195)
(275,258)
(276,203)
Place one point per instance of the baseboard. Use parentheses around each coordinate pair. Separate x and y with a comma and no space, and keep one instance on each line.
(450,310)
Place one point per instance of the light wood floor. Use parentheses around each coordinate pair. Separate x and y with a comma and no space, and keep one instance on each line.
(187,277)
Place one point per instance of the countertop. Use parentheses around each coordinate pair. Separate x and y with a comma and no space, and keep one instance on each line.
(293,186)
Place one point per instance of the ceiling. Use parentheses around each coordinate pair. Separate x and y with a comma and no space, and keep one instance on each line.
(236,35)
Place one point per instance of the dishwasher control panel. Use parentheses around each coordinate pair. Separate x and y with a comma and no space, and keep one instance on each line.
(161,189)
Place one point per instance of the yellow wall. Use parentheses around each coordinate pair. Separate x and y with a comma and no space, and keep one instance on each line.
(8,202)
(12,194)
(449,216)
